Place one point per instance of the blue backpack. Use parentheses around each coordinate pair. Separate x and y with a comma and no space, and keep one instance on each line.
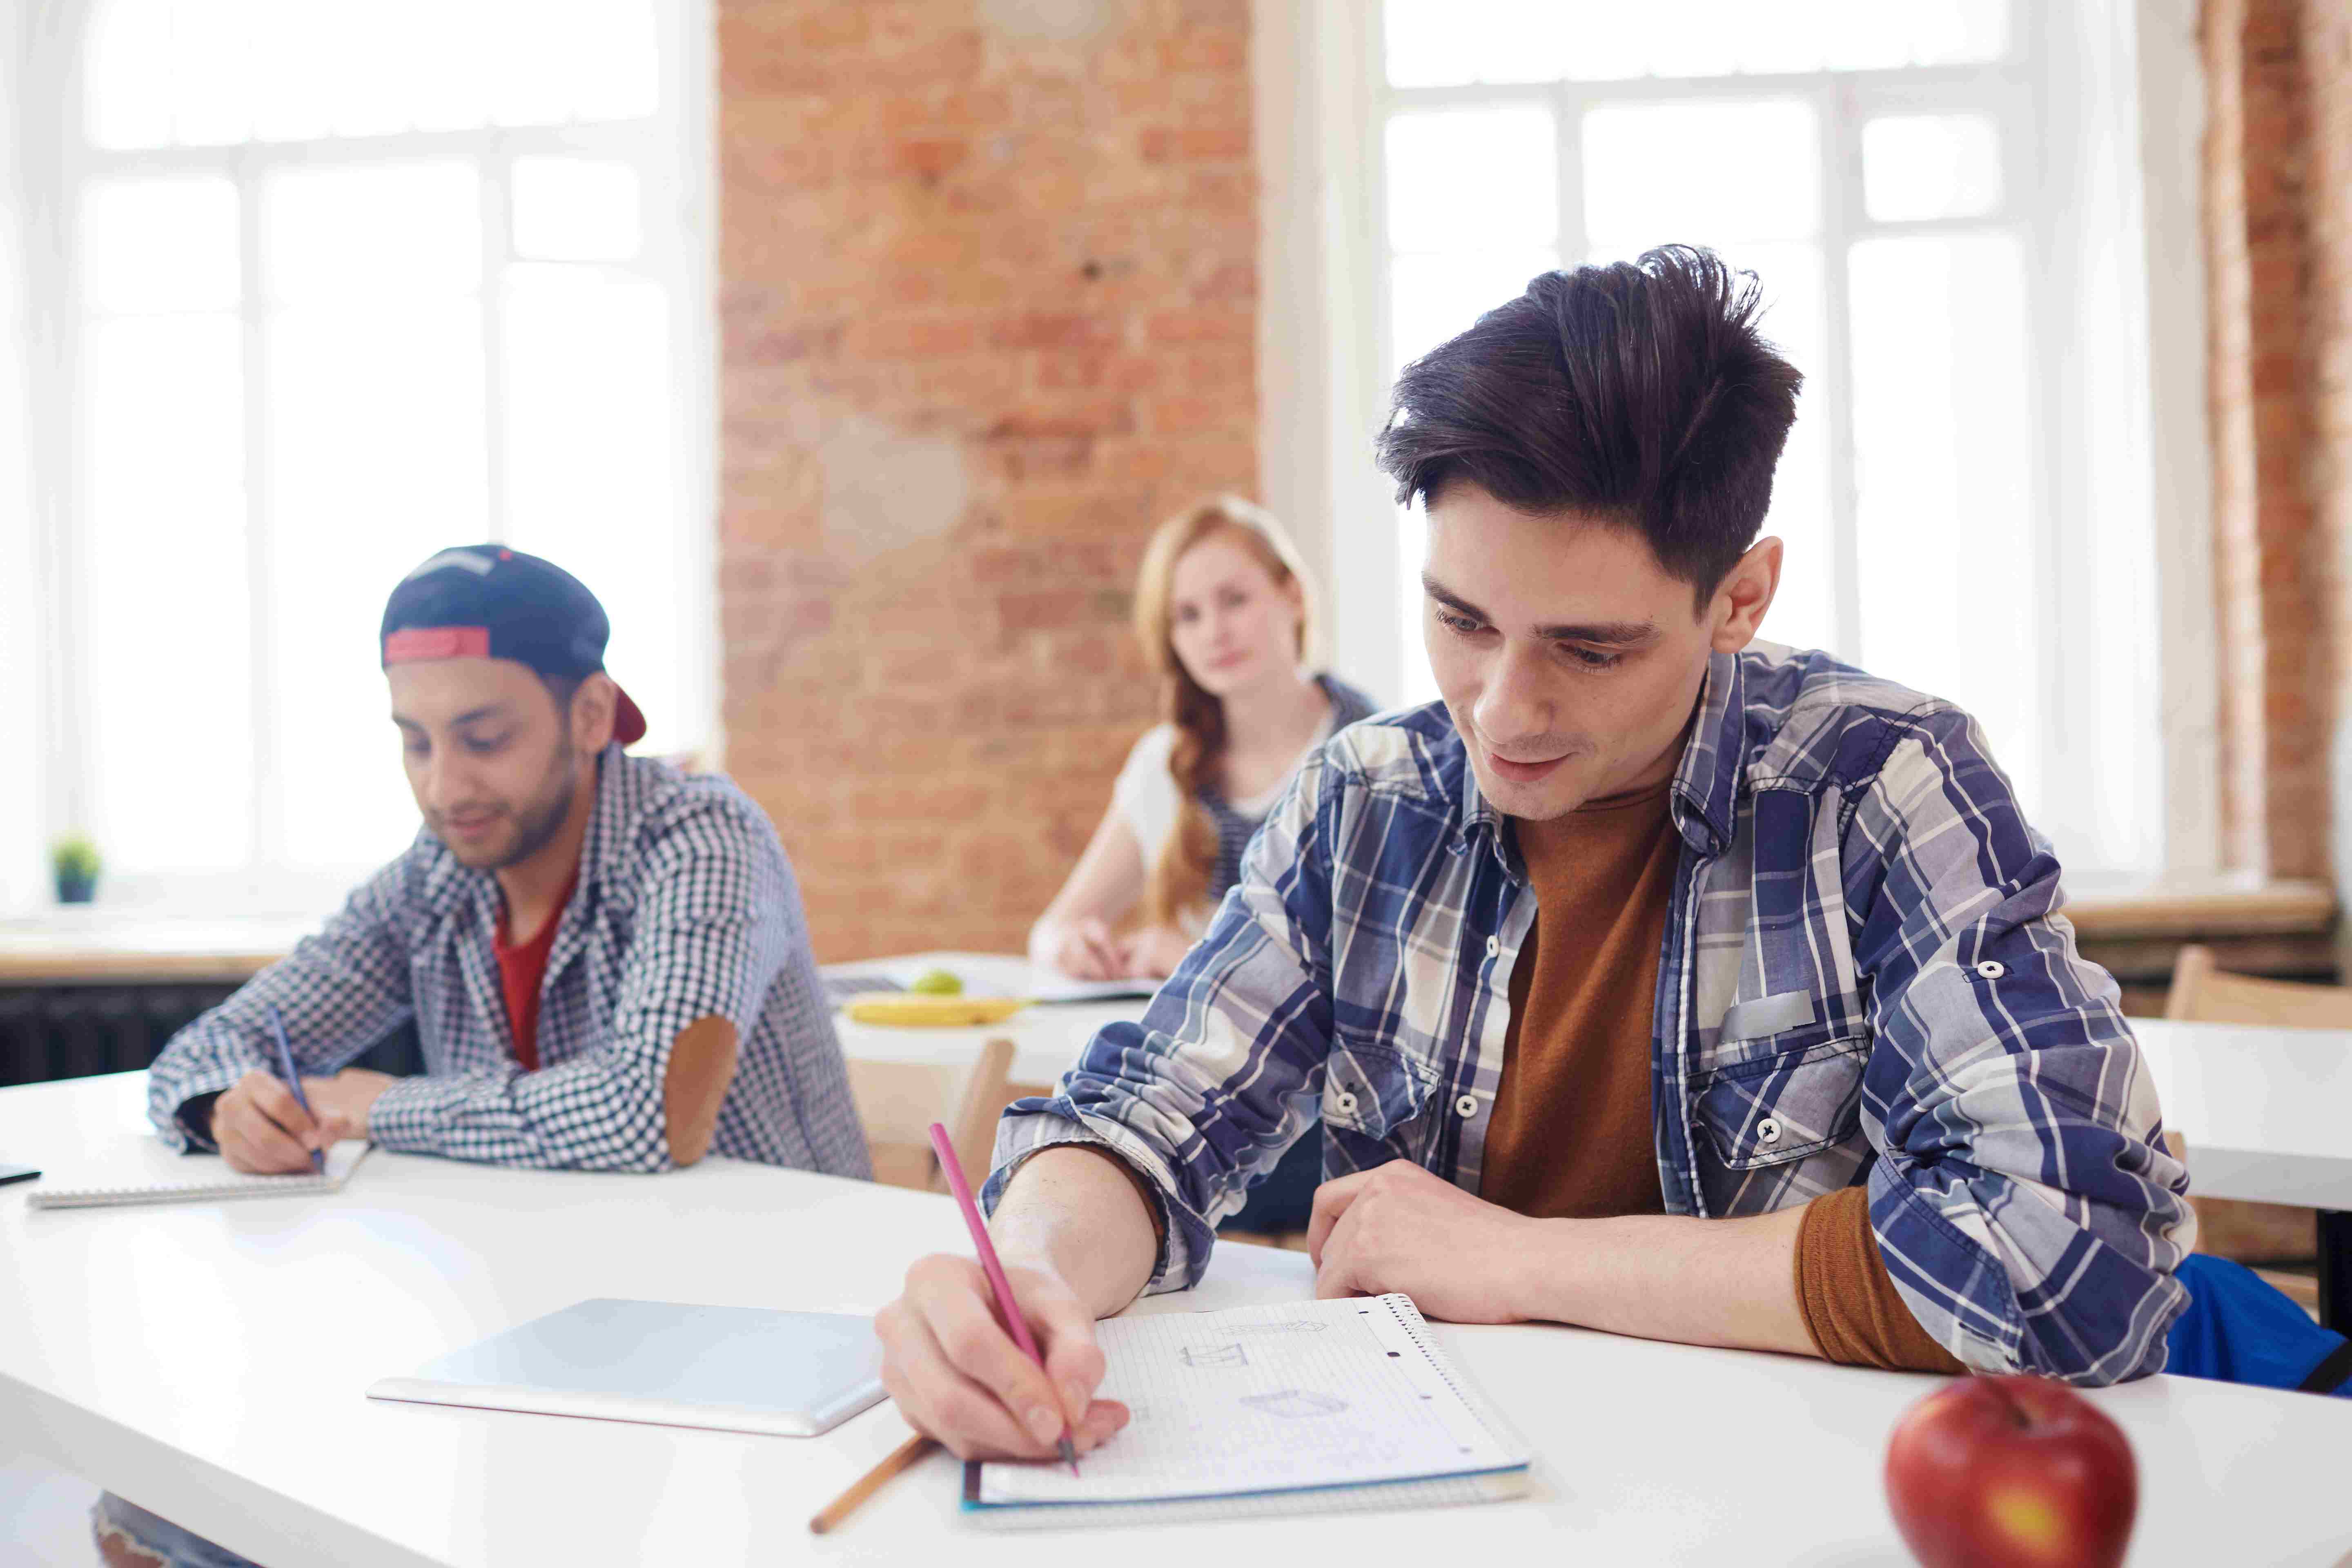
(2239,1329)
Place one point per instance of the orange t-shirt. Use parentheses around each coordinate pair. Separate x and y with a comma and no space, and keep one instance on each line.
(1571,1134)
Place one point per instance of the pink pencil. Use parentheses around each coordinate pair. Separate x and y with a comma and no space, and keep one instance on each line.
(989,1265)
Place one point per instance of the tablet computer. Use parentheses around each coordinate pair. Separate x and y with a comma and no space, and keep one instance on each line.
(728,1369)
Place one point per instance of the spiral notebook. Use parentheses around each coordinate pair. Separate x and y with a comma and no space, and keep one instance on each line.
(1302,1407)
(139,1170)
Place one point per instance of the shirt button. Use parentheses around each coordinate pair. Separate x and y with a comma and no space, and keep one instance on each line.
(1466,1105)
(1768,1131)
(1989,969)
(1344,1100)
(1494,947)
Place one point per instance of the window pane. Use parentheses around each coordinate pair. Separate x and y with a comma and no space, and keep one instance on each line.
(212,72)
(1950,560)
(1703,39)
(525,43)
(1447,43)
(127,74)
(368,57)
(614,59)
(375,460)
(1790,36)
(575,209)
(168,666)
(295,84)
(446,81)
(1659,172)
(589,475)
(1957,32)
(403,229)
(1931,166)
(1433,298)
(1869,34)
(554,60)
(1442,43)
(167,243)
(1795,318)
(1473,179)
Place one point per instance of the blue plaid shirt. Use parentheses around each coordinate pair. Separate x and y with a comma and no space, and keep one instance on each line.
(686,909)
(1865,979)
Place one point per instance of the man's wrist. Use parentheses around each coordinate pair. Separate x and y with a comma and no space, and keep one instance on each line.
(1552,1276)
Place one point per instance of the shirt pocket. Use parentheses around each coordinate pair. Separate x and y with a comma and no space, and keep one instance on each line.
(1790,1095)
(1371,1087)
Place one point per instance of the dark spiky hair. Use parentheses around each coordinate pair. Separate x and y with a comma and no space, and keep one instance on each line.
(1639,392)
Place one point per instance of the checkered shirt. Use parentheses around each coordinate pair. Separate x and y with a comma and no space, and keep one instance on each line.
(1864,980)
(686,909)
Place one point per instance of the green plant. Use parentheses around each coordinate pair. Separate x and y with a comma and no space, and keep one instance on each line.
(74,856)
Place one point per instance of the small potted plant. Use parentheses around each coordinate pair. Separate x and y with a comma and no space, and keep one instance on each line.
(74,859)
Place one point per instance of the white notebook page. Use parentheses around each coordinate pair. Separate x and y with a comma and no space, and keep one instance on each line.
(141,1169)
(1310,1394)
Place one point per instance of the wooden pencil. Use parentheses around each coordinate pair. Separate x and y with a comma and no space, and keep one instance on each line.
(909,1452)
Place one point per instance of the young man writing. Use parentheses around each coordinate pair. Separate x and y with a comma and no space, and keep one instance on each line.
(605,958)
(1653,981)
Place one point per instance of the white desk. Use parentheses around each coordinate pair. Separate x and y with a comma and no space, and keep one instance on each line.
(1046,1036)
(208,1361)
(2267,1114)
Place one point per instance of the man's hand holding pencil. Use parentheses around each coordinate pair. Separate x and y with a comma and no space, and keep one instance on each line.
(958,1375)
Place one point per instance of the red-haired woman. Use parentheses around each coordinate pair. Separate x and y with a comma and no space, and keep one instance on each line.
(1223,610)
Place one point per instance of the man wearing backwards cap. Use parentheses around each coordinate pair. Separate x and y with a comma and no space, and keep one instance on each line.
(606,958)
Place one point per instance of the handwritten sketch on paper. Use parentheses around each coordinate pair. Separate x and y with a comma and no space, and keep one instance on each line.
(1296,1403)
(1255,1399)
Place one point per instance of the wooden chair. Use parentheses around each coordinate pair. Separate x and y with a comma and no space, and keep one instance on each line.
(897,1102)
(2245,1232)
(2202,994)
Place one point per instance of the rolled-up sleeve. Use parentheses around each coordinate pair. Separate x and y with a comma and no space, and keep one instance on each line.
(1225,1070)
(2024,1205)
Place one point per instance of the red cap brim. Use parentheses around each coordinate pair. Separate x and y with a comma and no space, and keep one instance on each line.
(628,718)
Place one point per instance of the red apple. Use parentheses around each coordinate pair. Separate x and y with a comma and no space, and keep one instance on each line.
(2011,1472)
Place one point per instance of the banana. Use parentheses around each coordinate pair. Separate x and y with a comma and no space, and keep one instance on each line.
(908,1009)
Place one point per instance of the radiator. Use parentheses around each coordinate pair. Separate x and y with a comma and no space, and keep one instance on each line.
(50,1032)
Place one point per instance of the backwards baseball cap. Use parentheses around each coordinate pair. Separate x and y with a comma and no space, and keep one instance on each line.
(486,601)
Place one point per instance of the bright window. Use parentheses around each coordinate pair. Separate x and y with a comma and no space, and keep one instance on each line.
(1879,168)
(347,282)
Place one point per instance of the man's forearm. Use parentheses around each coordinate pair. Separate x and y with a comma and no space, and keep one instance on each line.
(1729,1282)
(1075,1210)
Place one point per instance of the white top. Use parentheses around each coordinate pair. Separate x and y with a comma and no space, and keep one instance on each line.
(211,1360)
(1146,797)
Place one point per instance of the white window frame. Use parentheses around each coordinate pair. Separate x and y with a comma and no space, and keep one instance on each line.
(672,152)
(1322,135)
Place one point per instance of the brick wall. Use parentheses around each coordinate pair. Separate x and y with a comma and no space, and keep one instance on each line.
(2327,57)
(988,286)
(2279,255)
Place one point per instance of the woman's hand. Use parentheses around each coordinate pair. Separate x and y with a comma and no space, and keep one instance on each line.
(1084,949)
(1155,950)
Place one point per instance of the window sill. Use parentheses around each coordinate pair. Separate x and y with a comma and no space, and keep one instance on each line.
(2205,910)
(97,946)
(2284,930)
